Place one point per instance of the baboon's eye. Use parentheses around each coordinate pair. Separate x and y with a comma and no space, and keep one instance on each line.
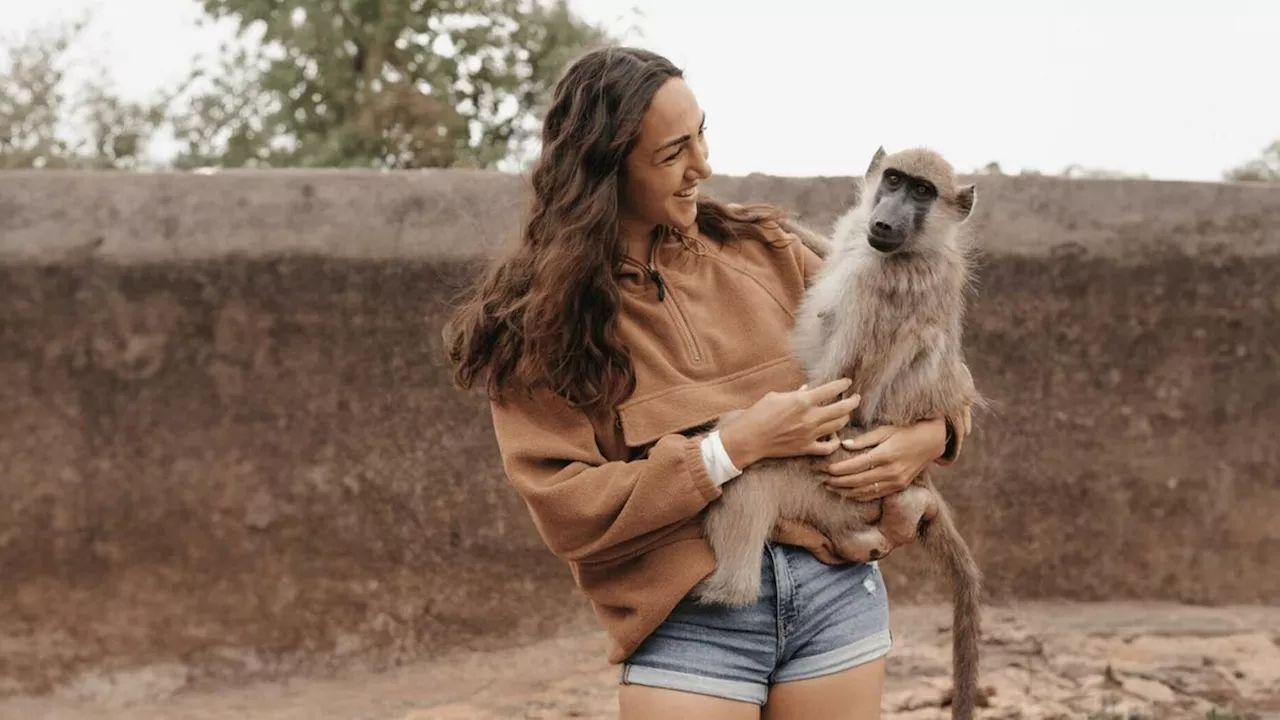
(892,179)
(923,192)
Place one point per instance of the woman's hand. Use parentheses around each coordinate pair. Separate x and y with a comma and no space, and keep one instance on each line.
(896,456)
(787,424)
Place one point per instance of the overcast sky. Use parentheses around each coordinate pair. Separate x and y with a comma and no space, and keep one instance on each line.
(1175,89)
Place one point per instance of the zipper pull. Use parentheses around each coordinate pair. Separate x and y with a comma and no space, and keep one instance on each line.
(662,288)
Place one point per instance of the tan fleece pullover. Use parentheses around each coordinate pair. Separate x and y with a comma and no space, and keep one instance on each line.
(619,495)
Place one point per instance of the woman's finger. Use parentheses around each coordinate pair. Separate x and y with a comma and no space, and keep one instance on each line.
(879,489)
(858,471)
(823,447)
(863,494)
(826,392)
(870,438)
(840,410)
(832,427)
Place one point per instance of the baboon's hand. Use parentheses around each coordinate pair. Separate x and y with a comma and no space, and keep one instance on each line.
(787,424)
(819,244)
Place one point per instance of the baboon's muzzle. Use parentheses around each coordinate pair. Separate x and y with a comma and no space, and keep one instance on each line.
(884,237)
(889,225)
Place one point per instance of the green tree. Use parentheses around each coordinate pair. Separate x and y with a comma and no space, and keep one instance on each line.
(1264,169)
(379,83)
(47,121)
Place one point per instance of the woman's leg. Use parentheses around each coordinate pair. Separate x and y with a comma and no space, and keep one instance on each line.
(836,641)
(638,702)
(852,694)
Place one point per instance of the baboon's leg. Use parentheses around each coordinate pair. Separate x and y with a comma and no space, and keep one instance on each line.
(852,527)
(738,526)
(868,512)
(904,511)
(863,544)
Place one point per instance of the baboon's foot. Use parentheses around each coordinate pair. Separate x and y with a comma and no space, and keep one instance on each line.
(903,512)
(865,545)
(725,587)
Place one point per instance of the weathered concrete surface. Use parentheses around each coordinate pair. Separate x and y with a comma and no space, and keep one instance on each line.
(228,439)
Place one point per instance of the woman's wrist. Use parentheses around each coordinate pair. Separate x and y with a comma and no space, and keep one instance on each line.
(738,446)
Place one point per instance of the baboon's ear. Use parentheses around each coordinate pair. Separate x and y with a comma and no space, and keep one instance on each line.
(875,161)
(966,198)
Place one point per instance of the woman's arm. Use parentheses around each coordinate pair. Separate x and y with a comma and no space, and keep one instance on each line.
(588,509)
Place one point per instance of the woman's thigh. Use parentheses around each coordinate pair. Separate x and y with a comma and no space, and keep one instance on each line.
(852,694)
(639,702)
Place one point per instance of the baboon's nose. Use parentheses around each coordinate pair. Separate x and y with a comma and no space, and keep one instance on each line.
(881,228)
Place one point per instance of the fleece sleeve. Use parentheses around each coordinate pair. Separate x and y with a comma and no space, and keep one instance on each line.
(588,509)
(717,459)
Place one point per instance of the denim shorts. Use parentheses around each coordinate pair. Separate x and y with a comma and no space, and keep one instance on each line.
(811,619)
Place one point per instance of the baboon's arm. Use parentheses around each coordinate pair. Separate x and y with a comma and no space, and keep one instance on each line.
(819,244)
(958,426)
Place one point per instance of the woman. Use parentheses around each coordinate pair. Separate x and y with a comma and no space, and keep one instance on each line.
(632,314)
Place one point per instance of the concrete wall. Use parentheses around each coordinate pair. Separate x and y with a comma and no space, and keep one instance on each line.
(227,437)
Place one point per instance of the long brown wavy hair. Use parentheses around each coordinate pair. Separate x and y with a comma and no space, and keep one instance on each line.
(545,313)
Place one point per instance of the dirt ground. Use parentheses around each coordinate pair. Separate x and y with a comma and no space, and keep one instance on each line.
(1041,662)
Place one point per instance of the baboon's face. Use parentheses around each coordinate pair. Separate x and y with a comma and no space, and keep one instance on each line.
(902,204)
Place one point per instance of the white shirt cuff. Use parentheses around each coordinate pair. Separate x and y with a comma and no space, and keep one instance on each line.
(719,466)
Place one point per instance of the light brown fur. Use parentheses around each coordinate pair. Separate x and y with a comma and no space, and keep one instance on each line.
(893,324)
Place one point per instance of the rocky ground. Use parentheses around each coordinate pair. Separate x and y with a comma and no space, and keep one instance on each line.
(1041,662)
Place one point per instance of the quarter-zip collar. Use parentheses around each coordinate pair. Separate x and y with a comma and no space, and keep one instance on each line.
(647,271)
(650,271)
(648,276)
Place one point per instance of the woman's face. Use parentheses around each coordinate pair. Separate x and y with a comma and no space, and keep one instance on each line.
(660,185)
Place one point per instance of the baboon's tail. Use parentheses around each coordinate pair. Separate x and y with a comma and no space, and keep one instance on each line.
(944,543)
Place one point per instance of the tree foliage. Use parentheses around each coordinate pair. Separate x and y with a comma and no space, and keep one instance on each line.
(47,120)
(379,83)
(1266,168)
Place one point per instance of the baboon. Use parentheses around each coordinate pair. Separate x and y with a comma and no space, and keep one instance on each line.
(886,310)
